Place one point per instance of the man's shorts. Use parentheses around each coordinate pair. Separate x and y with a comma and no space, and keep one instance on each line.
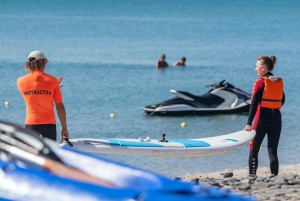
(46,130)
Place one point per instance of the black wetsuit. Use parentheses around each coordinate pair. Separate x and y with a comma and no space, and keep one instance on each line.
(267,121)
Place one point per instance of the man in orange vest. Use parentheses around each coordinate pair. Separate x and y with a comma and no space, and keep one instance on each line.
(40,91)
(267,98)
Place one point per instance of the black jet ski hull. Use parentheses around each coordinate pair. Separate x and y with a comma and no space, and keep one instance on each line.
(239,110)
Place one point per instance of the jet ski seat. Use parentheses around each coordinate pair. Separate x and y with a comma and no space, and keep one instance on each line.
(206,98)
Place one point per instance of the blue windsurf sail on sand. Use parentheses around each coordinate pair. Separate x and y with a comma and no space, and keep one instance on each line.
(35,169)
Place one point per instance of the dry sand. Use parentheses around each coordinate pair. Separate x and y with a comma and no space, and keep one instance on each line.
(238,173)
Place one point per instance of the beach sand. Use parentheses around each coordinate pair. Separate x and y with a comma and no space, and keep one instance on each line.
(243,172)
(264,186)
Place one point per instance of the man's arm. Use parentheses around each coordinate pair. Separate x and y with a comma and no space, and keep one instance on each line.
(157,64)
(61,112)
(176,63)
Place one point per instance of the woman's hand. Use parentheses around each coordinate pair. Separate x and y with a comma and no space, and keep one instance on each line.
(247,128)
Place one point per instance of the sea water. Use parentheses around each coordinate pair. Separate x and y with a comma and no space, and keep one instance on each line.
(106,51)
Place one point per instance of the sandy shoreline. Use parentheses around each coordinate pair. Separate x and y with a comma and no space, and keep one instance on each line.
(263,186)
(243,172)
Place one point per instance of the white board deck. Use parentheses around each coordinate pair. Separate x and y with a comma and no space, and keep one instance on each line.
(173,148)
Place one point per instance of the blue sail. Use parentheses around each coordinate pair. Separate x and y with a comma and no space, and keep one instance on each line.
(20,180)
(19,183)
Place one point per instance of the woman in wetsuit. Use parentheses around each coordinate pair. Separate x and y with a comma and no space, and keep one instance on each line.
(267,98)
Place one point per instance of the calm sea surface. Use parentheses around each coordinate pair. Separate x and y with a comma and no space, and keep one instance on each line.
(106,52)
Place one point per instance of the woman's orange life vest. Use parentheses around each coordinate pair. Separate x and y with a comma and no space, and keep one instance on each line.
(272,95)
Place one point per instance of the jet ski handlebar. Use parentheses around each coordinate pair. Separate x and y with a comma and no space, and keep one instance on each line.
(217,85)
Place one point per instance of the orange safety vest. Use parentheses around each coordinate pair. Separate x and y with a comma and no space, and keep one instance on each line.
(272,95)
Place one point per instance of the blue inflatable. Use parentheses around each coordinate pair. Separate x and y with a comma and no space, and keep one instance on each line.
(34,169)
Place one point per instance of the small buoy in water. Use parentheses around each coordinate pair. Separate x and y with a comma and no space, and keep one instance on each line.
(6,103)
(183,124)
(112,115)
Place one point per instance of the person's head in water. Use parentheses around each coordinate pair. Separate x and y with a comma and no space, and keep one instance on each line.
(181,62)
(264,65)
(36,61)
(183,59)
(163,57)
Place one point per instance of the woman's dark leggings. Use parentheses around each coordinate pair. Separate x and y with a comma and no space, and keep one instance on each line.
(46,130)
(268,123)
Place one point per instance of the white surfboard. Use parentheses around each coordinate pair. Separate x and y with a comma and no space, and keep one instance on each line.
(180,148)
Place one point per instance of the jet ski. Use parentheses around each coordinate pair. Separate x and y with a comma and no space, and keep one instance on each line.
(223,98)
